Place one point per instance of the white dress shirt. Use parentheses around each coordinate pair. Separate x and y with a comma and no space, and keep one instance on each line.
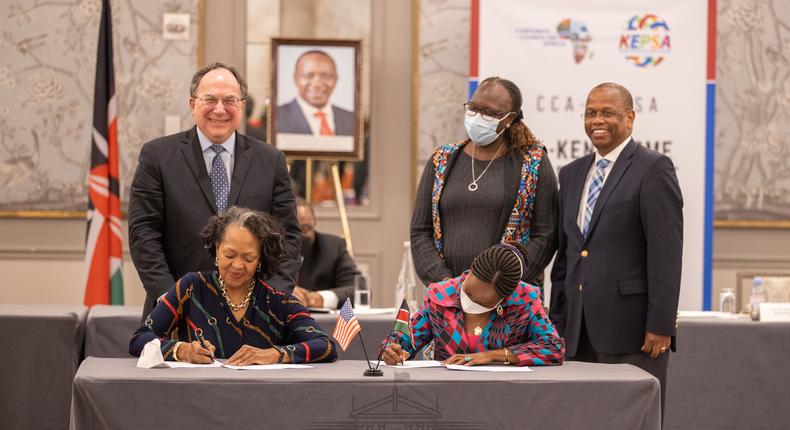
(330,298)
(309,112)
(612,157)
(209,154)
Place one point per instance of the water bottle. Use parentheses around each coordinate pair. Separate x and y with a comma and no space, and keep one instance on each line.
(757,296)
(406,288)
(727,300)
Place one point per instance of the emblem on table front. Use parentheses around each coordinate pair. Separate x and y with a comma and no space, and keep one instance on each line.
(396,412)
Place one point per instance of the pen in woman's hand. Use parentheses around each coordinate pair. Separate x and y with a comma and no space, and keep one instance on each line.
(202,340)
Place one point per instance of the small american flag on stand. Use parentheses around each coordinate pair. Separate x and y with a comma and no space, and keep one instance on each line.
(347,325)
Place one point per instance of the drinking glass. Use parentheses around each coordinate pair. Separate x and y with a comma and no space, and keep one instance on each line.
(727,300)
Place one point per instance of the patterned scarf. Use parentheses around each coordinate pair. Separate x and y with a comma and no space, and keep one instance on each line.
(519,223)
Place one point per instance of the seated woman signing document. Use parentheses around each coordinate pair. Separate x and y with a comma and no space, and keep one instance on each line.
(486,315)
(231,312)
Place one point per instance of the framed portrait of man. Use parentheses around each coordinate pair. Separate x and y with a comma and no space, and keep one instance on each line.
(315,103)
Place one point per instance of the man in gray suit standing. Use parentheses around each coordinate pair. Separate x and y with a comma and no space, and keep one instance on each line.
(184,179)
(616,277)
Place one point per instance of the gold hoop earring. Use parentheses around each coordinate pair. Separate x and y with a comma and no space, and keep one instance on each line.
(259,267)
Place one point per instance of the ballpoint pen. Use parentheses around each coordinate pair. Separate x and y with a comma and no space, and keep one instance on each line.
(202,340)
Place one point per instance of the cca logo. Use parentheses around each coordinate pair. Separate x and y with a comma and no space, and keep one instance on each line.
(645,42)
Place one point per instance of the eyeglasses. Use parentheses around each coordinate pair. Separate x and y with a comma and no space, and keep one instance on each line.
(486,115)
(229,102)
(590,115)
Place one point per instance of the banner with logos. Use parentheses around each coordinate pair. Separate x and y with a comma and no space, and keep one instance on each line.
(662,51)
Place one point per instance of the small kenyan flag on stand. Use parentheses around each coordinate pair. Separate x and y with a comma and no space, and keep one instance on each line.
(402,322)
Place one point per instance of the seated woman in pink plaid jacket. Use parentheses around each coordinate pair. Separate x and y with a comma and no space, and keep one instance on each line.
(486,315)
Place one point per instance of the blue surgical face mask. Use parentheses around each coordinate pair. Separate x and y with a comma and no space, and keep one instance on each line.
(481,131)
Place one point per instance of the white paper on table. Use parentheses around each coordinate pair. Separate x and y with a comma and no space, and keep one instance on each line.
(151,358)
(489,368)
(417,364)
(267,366)
(707,314)
(374,311)
(179,364)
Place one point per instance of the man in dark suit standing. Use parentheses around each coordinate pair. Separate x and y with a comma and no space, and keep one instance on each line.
(183,179)
(616,277)
(328,271)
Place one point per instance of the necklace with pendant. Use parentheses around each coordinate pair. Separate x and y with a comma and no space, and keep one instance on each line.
(473,185)
(478,330)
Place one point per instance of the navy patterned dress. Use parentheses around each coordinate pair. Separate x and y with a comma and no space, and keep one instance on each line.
(195,304)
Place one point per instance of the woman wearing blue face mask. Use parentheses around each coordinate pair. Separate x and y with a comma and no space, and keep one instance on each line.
(486,315)
(497,185)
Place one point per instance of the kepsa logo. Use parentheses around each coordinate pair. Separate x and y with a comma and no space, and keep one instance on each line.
(646,42)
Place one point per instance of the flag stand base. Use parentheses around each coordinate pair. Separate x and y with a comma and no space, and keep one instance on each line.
(373,372)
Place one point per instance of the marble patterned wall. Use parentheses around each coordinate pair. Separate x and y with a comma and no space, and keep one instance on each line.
(443,62)
(48,52)
(752,179)
(753,110)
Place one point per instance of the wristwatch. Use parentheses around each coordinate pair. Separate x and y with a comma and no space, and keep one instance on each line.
(282,353)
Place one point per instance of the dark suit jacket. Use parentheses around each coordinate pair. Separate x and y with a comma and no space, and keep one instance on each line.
(328,266)
(171,200)
(626,274)
(290,119)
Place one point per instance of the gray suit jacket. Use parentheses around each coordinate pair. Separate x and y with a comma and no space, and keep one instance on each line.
(625,277)
(290,119)
(171,200)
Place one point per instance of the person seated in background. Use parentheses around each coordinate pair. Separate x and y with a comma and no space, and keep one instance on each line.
(326,278)
(485,315)
(231,312)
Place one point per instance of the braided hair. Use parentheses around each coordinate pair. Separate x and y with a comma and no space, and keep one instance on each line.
(518,137)
(502,266)
(264,227)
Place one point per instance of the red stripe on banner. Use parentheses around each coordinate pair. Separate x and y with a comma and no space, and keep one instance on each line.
(711,72)
(99,269)
(474,38)
(403,315)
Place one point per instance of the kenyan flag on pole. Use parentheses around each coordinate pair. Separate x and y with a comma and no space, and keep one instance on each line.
(103,250)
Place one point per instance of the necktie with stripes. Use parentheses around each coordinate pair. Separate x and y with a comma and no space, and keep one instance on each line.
(594,191)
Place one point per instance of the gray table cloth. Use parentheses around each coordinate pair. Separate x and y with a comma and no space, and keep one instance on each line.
(113,394)
(42,348)
(729,374)
(109,329)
